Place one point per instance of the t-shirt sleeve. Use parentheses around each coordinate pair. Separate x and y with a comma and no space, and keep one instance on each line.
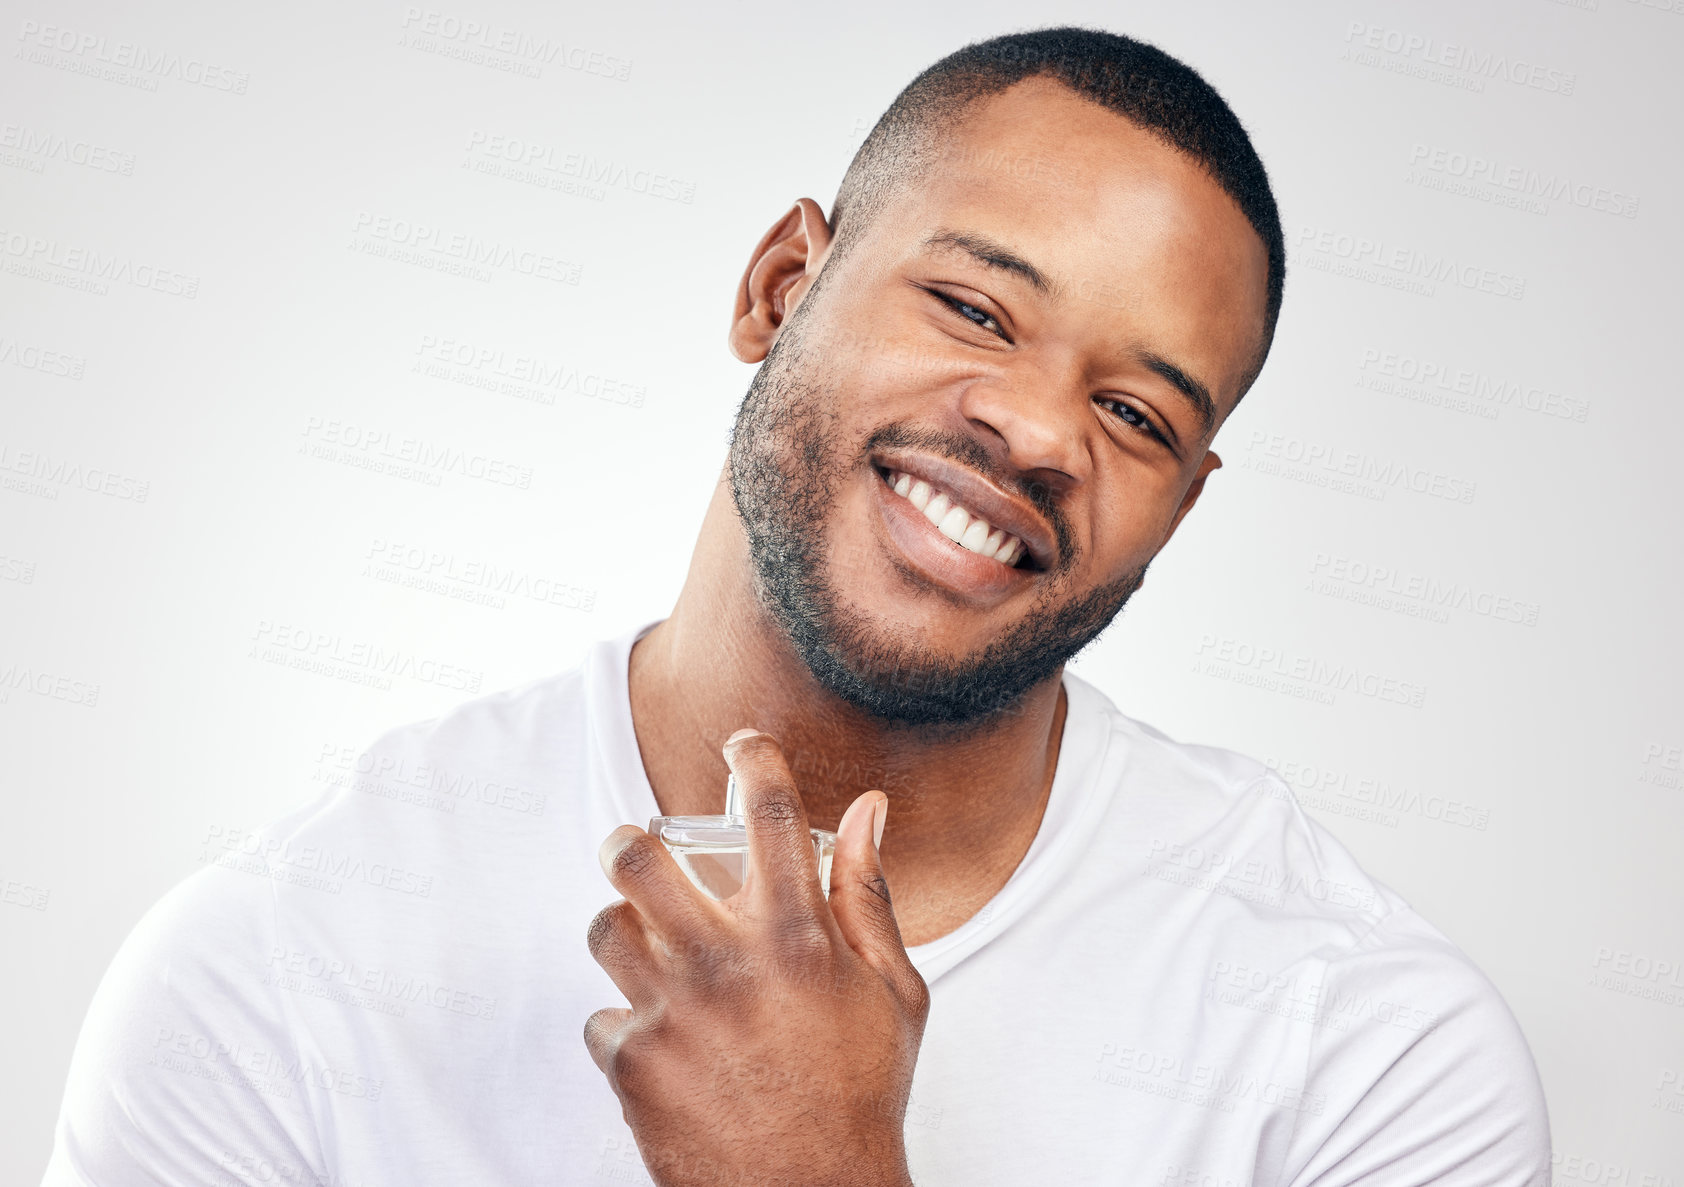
(185,1071)
(1444,1088)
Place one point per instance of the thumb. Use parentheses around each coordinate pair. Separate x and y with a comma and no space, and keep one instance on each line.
(859,896)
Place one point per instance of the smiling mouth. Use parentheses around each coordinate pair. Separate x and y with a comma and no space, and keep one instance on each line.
(958,523)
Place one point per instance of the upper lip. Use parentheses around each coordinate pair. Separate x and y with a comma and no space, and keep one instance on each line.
(977,494)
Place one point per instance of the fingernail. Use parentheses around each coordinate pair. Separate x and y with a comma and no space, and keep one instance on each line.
(740,735)
(881,816)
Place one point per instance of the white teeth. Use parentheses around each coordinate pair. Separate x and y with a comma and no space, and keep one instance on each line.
(954,524)
(970,532)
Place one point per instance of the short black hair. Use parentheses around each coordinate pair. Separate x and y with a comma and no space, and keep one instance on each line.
(1156,92)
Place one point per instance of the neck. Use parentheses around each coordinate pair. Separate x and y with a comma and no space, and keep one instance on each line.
(963,810)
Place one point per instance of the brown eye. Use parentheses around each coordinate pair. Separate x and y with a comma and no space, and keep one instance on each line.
(1132,417)
(969,312)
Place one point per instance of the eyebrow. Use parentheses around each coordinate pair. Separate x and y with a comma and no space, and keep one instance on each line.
(992,255)
(1195,393)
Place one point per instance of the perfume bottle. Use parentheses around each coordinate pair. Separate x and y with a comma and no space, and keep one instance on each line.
(713,850)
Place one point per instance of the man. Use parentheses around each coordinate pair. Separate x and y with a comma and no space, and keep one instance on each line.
(989,390)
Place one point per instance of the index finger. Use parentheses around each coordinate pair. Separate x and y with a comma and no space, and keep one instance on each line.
(780,842)
(642,870)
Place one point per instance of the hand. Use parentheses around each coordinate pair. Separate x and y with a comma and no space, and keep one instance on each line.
(772,1036)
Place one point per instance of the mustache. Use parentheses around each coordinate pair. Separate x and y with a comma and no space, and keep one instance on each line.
(969,452)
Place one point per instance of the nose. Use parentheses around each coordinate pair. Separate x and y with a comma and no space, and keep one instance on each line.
(1036,419)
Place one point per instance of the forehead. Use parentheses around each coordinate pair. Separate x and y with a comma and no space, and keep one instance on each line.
(1126,227)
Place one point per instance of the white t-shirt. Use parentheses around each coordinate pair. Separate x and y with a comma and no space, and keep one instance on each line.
(1185,982)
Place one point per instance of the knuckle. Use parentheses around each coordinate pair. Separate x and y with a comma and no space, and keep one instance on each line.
(635,1065)
(628,1066)
(633,859)
(877,886)
(777,804)
(917,993)
(599,1027)
(609,930)
(603,1035)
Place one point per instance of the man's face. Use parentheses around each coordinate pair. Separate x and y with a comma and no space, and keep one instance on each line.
(1025,333)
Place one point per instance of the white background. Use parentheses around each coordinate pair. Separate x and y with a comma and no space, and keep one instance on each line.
(1529,805)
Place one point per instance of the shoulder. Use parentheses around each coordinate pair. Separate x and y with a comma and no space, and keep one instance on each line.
(1414,1068)
(212,1019)
(493,758)
(179,1044)
(1222,824)
(529,723)
(1435,1078)
(1152,750)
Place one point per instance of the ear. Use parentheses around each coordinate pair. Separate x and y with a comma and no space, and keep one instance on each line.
(1210,462)
(782,268)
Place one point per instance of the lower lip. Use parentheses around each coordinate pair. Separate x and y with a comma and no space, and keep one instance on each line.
(940,559)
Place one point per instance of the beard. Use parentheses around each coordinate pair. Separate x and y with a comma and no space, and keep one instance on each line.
(788,461)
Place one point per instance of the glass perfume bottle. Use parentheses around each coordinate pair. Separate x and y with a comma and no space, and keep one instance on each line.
(713,850)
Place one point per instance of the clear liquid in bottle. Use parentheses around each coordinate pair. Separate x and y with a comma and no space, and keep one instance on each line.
(713,850)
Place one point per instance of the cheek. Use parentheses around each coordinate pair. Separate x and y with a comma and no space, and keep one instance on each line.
(1131,517)
(889,358)
(851,543)
(891,384)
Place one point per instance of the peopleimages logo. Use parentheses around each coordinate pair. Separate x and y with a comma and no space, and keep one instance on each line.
(438,571)
(1203,1085)
(44,475)
(1383,585)
(50,146)
(512,50)
(147,65)
(1235,659)
(35,358)
(552,168)
(1308,998)
(1477,170)
(385,451)
(522,376)
(1325,463)
(229,1061)
(429,782)
(1367,798)
(1577,1168)
(357,660)
(1663,765)
(1638,974)
(14,568)
(22,894)
(1476,65)
(1368,258)
(351,981)
(320,867)
(32,255)
(54,686)
(1459,388)
(436,248)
